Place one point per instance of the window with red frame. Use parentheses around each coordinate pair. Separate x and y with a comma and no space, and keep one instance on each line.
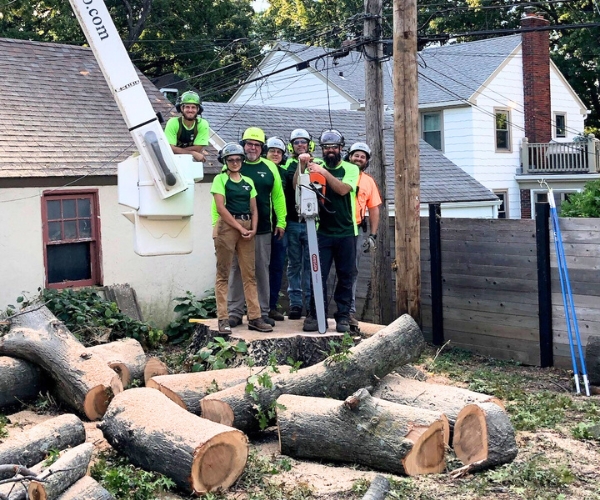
(71,238)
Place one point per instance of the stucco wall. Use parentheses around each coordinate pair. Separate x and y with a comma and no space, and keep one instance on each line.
(156,279)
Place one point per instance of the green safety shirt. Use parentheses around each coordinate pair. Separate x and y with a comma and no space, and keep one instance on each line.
(342,221)
(269,189)
(186,138)
(237,195)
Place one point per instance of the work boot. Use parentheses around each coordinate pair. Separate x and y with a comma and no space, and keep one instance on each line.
(259,325)
(342,325)
(224,326)
(310,324)
(353,321)
(234,321)
(295,312)
(276,315)
(268,320)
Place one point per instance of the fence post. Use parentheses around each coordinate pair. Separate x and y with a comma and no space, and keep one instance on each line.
(435,251)
(542,237)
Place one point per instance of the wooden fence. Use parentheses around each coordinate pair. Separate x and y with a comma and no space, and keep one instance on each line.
(496,289)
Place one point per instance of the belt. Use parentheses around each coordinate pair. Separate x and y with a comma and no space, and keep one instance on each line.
(242,216)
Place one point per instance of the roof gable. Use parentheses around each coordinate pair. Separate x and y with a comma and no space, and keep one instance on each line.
(57,114)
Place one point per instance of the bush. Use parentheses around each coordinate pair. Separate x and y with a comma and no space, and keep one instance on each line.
(189,307)
(584,204)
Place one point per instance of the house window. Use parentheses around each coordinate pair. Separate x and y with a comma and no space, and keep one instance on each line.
(502,118)
(431,126)
(560,125)
(503,208)
(71,238)
(559,197)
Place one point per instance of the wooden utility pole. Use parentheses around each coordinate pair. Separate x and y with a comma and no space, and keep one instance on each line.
(381,284)
(406,153)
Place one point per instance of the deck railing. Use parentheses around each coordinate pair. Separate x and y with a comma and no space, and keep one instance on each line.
(561,157)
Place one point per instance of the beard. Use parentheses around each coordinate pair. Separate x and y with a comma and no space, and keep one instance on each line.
(332,159)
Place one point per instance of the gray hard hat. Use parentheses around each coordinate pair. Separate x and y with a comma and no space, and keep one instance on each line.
(331,137)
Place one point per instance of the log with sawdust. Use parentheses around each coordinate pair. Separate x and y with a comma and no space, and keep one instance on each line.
(83,381)
(484,436)
(31,446)
(365,430)
(126,357)
(20,381)
(448,399)
(62,474)
(87,488)
(397,344)
(187,389)
(154,367)
(156,434)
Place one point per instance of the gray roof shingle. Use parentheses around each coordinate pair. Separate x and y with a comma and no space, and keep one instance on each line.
(57,113)
(441,180)
(450,73)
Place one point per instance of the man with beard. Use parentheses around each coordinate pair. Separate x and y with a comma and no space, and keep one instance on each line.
(367,198)
(188,134)
(337,227)
(269,198)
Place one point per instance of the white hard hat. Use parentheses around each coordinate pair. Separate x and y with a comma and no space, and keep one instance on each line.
(275,142)
(360,146)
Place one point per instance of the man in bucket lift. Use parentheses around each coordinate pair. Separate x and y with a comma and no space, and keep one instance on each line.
(188,134)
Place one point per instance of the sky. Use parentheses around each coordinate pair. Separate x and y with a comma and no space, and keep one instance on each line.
(260,5)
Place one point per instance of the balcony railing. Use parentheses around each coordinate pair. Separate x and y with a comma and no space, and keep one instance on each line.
(561,157)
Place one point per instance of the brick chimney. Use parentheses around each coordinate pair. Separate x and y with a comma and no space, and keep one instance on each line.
(536,79)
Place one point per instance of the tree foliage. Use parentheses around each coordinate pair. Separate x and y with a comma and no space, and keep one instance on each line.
(584,204)
(201,40)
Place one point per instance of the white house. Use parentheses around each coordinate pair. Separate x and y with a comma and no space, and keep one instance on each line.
(497,108)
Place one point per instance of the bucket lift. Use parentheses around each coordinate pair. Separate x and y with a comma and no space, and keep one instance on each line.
(158,185)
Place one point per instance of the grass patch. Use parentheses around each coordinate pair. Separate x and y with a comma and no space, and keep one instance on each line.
(126,481)
(3,424)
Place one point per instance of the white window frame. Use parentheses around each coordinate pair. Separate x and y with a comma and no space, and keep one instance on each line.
(561,192)
(555,127)
(503,192)
(509,131)
(422,125)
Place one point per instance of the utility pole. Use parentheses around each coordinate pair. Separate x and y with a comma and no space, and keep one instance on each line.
(381,284)
(406,153)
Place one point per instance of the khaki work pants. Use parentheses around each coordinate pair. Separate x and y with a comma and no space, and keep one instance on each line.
(228,243)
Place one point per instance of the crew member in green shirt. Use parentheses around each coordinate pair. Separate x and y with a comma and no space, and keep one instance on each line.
(188,134)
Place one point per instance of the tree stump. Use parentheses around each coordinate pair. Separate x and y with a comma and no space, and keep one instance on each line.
(32,446)
(592,359)
(126,357)
(156,434)
(82,380)
(365,430)
(337,378)
(187,389)
(87,488)
(448,399)
(484,436)
(19,381)
(63,473)
(154,367)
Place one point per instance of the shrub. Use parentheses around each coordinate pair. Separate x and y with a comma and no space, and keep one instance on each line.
(189,307)
(584,204)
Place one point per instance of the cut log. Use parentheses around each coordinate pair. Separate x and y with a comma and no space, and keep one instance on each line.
(20,381)
(187,389)
(484,436)
(156,434)
(87,488)
(83,381)
(592,359)
(18,490)
(32,446)
(364,430)
(126,357)
(63,473)
(378,489)
(448,399)
(364,364)
(154,367)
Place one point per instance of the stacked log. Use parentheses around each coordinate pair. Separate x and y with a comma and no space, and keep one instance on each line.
(82,380)
(19,381)
(158,435)
(126,357)
(362,429)
(484,436)
(154,367)
(364,364)
(87,488)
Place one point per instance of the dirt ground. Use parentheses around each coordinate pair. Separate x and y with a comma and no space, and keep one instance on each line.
(581,458)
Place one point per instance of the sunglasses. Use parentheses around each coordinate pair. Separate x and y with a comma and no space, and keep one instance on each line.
(300,142)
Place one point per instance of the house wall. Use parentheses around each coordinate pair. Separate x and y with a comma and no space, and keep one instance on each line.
(565,101)
(156,280)
(290,88)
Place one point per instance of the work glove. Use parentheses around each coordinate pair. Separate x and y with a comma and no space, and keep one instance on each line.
(369,243)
